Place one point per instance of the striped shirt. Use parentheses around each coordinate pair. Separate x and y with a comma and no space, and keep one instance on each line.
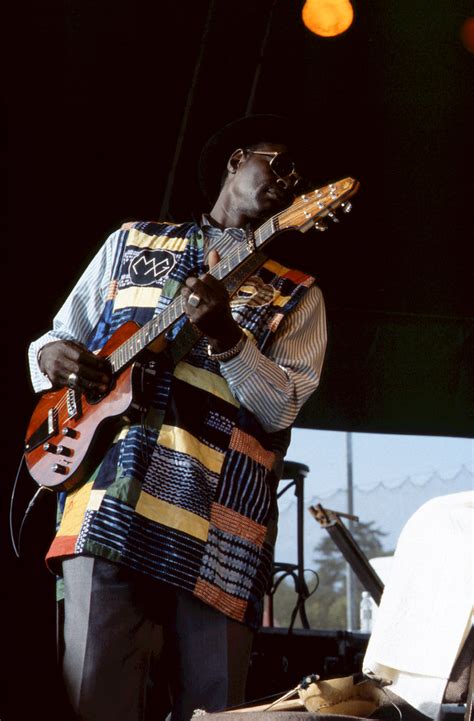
(273,386)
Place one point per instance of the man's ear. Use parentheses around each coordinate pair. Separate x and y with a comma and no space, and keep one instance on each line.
(235,160)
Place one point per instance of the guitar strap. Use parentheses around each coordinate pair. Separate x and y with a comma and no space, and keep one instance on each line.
(187,337)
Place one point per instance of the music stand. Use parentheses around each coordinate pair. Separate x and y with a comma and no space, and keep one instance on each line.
(297,472)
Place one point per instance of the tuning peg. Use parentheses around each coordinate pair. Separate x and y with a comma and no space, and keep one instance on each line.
(333,216)
(346,207)
(321,225)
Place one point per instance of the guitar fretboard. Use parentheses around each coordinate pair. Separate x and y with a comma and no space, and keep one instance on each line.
(244,260)
(232,270)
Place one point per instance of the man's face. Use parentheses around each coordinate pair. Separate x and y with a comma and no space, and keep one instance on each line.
(254,188)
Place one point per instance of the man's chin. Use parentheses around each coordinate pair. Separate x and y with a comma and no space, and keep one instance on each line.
(280,197)
(270,203)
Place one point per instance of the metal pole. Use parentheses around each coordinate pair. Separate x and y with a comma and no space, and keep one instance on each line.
(302,588)
(189,101)
(258,69)
(350,510)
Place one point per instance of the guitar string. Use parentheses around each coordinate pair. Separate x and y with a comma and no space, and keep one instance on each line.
(63,401)
(300,202)
(168,311)
(297,205)
(234,256)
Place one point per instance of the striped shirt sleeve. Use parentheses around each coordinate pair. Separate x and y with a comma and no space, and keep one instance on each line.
(81,311)
(275,386)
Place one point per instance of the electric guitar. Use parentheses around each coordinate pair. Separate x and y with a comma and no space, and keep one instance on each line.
(69,428)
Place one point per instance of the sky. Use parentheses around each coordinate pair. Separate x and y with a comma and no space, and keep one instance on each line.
(377,457)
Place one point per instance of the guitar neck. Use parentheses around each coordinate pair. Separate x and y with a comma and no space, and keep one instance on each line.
(305,212)
(233,270)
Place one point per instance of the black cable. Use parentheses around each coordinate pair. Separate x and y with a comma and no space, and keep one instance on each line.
(12,497)
(289,570)
(16,547)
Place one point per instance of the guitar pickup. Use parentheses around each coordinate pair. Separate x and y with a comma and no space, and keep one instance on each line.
(52,421)
(74,404)
(46,430)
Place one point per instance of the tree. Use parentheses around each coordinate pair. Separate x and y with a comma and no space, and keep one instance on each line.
(326,608)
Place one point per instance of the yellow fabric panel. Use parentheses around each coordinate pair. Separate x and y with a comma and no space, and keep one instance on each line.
(143,240)
(172,516)
(77,503)
(281,300)
(275,267)
(205,380)
(183,442)
(141,296)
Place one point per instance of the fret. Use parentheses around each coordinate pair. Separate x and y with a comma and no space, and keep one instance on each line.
(111,360)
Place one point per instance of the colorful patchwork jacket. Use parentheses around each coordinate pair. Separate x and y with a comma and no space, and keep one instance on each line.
(186,493)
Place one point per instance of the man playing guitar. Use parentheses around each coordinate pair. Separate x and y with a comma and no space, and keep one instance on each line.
(171,526)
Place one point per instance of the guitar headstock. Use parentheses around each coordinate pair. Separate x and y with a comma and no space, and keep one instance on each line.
(310,209)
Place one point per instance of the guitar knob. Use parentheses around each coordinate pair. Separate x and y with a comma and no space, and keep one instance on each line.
(70,432)
(333,217)
(64,451)
(49,447)
(346,207)
(59,468)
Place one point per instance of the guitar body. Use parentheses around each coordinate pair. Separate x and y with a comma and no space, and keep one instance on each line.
(68,432)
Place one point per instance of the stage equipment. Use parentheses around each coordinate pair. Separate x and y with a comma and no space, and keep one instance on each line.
(350,549)
(281,570)
(280,657)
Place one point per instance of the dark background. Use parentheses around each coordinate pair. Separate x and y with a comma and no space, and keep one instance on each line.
(109,104)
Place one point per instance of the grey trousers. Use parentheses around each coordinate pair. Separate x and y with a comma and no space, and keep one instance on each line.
(118,622)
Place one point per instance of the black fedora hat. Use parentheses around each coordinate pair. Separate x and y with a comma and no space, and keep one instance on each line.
(241,133)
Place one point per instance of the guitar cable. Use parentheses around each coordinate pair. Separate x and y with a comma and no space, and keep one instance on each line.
(16,545)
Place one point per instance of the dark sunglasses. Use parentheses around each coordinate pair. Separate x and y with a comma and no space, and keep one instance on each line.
(281,164)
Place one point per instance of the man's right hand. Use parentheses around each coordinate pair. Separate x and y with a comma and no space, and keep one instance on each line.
(59,359)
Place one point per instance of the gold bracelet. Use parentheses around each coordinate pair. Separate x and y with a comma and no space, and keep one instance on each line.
(228,354)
